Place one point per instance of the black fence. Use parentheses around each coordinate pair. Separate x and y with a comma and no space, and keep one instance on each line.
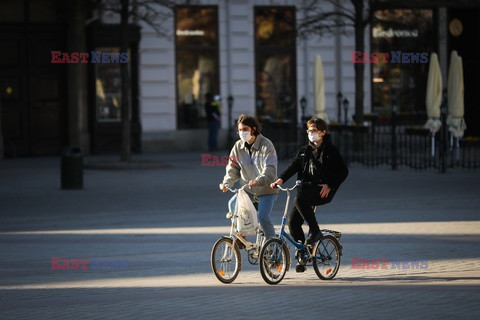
(284,135)
(398,141)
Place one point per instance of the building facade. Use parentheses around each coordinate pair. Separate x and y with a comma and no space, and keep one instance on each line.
(245,50)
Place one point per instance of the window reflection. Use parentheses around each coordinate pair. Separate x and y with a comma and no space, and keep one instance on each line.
(108,84)
(196,26)
(275,59)
(274,84)
(274,26)
(407,31)
(197,63)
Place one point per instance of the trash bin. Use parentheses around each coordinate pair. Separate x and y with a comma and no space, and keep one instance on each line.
(72,168)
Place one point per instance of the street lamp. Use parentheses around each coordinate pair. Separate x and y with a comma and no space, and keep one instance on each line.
(230,101)
(345,109)
(259,105)
(339,105)
(303,106)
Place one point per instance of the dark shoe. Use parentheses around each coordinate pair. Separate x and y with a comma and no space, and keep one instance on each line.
(312,239)
(300,268)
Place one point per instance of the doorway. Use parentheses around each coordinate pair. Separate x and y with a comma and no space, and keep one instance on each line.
(32,90)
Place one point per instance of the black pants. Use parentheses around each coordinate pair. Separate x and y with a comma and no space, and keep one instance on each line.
(302,211)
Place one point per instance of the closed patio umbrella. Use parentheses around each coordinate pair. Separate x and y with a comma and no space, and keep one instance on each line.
(319,89)
(433,98)
(456,123)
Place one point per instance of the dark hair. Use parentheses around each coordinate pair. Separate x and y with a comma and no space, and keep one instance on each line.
(319,123)
(251,122)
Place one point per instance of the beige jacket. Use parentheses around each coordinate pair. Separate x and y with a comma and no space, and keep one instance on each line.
(260,165)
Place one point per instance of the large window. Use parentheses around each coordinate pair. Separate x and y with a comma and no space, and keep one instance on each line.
(108,84)
(197,62)
(275,63)
(408,37)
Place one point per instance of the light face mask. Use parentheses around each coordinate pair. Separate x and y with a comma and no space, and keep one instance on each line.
(313,137)
(245,136)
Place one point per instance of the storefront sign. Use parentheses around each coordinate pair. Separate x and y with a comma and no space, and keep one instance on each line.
(190,33)
(378,32)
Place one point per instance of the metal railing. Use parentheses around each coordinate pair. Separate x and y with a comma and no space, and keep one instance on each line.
(400,144)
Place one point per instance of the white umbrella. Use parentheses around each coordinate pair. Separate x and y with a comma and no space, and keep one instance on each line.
(456,123)
(319,83)
(433,98)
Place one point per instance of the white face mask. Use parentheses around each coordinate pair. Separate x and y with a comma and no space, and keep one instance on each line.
(245,136)
(313,137)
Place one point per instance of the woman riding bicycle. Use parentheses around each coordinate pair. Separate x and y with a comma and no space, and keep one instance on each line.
(321,169)
(253,161)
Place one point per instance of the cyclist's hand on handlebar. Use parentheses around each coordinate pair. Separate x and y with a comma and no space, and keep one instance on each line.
(325,190)
(222,187)
(279,182)
(252,183)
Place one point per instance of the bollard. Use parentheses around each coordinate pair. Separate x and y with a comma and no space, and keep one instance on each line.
(72,168)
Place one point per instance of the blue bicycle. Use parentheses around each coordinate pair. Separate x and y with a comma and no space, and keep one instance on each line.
(324,255)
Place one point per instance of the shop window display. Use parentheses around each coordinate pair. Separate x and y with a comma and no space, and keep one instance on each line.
(408,38)
(275,63)
(196,38)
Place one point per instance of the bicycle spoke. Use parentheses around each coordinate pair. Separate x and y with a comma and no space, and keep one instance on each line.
(225,260)
(273,264)
(327,258)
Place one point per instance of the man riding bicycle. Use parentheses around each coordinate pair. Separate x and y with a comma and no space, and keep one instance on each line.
(321,169)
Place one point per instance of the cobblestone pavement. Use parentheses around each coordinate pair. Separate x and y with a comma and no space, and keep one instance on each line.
(160,216)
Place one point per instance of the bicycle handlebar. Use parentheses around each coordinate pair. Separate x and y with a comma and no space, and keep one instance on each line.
(235,190)
(297,183)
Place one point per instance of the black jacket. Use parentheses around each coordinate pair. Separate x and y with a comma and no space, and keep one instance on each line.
(328,165)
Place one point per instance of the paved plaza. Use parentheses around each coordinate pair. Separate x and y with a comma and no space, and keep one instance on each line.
(147,230)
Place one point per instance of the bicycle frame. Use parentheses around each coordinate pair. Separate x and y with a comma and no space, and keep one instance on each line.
(234,235)
(283,234)
(324,255)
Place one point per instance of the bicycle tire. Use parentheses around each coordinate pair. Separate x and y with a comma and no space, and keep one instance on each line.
(227,270)
(326,261)
(273,261)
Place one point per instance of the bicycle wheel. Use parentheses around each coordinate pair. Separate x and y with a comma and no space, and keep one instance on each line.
(226,260)
(273,261)
(326,260)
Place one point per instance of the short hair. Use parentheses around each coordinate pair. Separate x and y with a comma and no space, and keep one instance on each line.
(251,122)
(319,123)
